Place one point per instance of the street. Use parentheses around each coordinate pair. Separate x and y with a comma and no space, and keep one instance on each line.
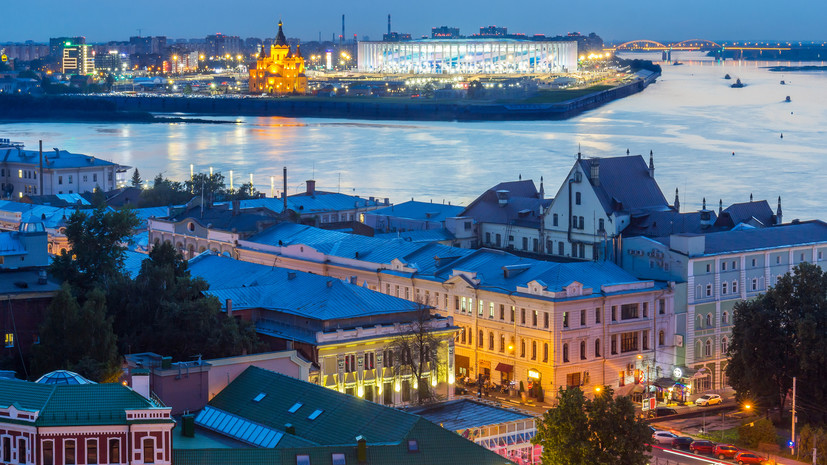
(664,456)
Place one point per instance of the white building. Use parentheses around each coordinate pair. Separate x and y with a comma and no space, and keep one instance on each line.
(468,56)
(26,172)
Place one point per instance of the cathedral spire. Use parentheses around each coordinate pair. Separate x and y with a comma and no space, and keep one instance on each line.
(677,201)
(280,39)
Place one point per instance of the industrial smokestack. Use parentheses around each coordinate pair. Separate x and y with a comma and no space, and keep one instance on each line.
(342,37)
(284,192)
(389,24)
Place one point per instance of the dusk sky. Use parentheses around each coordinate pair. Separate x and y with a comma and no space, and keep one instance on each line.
(667,20)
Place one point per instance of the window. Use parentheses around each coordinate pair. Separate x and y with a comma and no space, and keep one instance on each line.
(481,308)
(21,450)
(554,219)
(645,309)
(628,311)
(614,313)
(534,350)
(7,449)
(708,348)
(70,179)
(502,312)
(69,452)
(480,338)
(698,351)
(522,347)
(582,350)
(708,268)
(582,317)
(302,459)
(464,305)
(661,306)
(60,179)
(573,379)
(574,250)
(502,343)
(574,221)
(85,178)
(513,311)
(734,287)
(9,340)
(600,225)
(723,288)
(565,353)
(700,324)
(498,240)
(48,453)
(597,315)
(522,316)
(565,319)
(723,266)
(91,451)
(490,341)
(709,320)
(488,238)
(725,318)
(629,342)
(614,344)
(777,259)
(20,174)
(370,359)
(338,459)
(413,446)
(491,310)
(582,226)
(525,243)
(753,263)
(645,339)
(597,347)
(534,318)
(724,345)
(754,284)
(561,248)
(661,338)
(733,265)
(577,198)
(350,363)
(545,319)
(709,290)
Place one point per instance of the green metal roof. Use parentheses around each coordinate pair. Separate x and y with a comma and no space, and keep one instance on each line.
(69,405)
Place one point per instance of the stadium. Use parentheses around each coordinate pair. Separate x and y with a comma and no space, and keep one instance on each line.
(468,56)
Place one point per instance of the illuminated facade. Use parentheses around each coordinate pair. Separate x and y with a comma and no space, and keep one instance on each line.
(468,56)
(280,71)
(78,59)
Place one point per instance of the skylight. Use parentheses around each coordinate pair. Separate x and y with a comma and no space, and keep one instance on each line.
(315,414)
(295,407)
(259,397)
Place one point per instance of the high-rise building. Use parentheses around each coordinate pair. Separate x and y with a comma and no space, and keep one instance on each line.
(78,59)
(219,45)
(56,45)
(445,32)
(493,31)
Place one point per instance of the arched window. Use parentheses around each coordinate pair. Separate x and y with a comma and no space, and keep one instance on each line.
(734,286)
(700,324)
(661,338)
(502,343)
(522,347)
(724,345)
(725,318)
(545,351)
(597,347)
(555,219)
(698,346)
(708,348)
(565,353)
(582,350)
(490,341)
(534,350)
(481,338)
(709,290)
(709,320)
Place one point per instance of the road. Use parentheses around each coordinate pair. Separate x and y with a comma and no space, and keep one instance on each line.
(664,456)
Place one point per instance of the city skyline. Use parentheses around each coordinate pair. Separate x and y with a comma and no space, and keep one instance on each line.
(797,20)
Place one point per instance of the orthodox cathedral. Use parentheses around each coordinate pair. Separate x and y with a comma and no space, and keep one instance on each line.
(280,71)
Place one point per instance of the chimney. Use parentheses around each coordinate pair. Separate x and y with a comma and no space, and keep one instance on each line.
(542,192)
(284,192)
(289,428)
(291,275)
(778,216)
(236,207)
(140,381)
(229,304)
(311,187)
(651,165)
(720,206)
(389,25)
(595,171)
(706,216)
(677,201)
(361,449)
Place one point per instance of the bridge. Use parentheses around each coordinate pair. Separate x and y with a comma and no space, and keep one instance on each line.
(645,45)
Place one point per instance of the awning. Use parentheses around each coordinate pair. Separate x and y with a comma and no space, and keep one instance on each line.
(638,388)
(504,368)
(664,383)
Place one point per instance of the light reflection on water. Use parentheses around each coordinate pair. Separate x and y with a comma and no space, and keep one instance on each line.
(691,119)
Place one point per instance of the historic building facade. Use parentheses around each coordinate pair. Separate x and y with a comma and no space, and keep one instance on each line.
(280,71)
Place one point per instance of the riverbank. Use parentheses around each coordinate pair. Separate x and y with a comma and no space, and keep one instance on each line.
(376,108)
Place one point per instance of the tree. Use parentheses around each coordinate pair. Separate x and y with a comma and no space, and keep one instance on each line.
(136,178)
(780,335)
(601,431)
(211,185)
(164,192)
(418,353)
(78,338)
(96,248)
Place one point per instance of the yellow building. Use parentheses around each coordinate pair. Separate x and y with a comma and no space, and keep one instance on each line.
(280,71)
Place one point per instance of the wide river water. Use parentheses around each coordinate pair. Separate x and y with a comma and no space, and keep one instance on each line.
(709,140)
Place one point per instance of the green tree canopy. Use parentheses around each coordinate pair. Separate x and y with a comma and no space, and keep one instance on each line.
(580,431)
(136,180)
(780,335)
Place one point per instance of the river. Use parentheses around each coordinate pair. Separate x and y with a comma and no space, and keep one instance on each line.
(709,140)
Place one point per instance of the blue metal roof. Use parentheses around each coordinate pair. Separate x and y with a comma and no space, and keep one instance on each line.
(522,208)
(10,245)
(625,184)
(52,159)
(787,235)
(249,285)
(420,236)
(319,202)
(425,211)
(51,217)
(461,414)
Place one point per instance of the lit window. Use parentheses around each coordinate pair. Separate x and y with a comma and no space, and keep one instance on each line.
(9,339)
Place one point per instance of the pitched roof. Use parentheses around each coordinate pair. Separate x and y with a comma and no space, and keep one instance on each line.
(522,206)
(664,223)
(70,405)
(304,203)
(340,420)
(53,159)
(625,184)
(747,211)
(460,414)
(224,219)
(414,210)
(740,240)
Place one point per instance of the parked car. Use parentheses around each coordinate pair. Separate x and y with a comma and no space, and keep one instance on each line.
(702,447)
(748,457)
(708,399)
(725,451)
(682,442)
(662,412)
(663,437)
